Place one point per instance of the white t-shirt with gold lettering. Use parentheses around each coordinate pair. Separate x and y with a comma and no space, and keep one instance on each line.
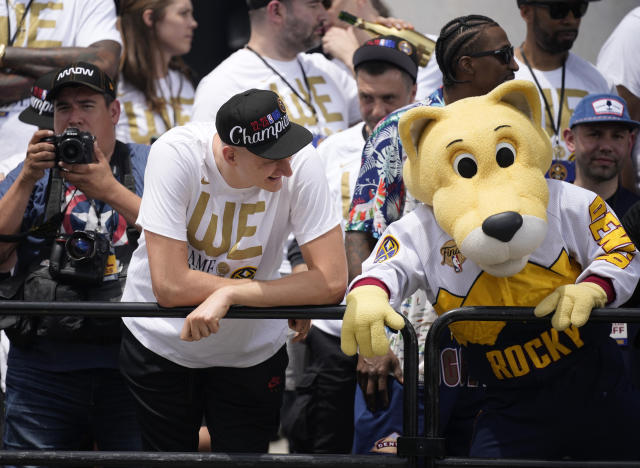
(56,23)
(229,232)
(334,95)
(138,124)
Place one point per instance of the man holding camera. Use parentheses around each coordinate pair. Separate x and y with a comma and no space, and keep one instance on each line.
(77,193)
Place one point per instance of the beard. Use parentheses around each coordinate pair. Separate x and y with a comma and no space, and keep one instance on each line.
(599,173)
(552,43)
(303,38)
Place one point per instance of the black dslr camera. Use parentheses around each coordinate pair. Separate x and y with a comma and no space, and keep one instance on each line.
(80,259)
(73,146)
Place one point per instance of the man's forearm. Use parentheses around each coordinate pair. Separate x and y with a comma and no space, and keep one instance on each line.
(125,202)
(14,87)
(28,63)
(358,246)
(310,287)
(33,61)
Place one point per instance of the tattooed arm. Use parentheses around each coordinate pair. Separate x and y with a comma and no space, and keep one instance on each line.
(28,63)
(359,246)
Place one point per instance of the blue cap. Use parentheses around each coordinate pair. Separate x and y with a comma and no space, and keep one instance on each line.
(602,108)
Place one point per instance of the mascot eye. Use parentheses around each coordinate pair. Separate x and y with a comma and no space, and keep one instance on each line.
(465,165)
(505,154)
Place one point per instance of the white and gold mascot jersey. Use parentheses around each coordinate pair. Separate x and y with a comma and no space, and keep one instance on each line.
(494,232)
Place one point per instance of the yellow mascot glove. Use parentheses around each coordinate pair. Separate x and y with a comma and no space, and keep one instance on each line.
(573,304)
(367,312)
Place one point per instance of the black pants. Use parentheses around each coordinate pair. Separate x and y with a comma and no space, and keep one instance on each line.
(241,405)
(320,419)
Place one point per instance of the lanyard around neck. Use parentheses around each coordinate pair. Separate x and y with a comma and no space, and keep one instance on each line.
(554,127)
(304,76)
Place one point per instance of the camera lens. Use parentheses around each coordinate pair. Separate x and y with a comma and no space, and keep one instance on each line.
(80,246)
(71,151)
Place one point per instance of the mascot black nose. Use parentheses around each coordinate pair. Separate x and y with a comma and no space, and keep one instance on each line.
(502,226)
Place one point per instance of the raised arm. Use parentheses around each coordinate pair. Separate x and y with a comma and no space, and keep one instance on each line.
(28,63)
(13,204)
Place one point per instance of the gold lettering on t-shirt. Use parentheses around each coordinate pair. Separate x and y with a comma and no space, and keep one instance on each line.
(321,99)
(4,29)
(135,132)
(19,11)
(206,244)
(177,103)
(244,230)
(134,128)
(36,23)
(299,116)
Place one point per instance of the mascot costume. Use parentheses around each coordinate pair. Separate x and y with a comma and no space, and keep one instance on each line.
(492,231)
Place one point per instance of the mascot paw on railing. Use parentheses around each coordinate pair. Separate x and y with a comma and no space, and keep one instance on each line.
(492,230)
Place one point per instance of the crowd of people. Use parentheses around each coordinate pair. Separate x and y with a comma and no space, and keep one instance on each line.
(267,183)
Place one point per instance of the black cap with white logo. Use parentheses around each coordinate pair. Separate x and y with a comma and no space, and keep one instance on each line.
(85,74)
(257,120)
(40,110)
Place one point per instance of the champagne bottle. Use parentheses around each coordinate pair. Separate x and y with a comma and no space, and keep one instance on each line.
(423,44)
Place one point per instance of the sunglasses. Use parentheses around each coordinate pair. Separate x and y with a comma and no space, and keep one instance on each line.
(561,10)
(504,54)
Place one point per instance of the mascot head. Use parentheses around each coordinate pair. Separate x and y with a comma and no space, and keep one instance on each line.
(480,163)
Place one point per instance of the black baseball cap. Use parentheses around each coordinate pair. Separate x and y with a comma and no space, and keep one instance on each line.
(40,110)
(257,120)
(83,73)
(392,49)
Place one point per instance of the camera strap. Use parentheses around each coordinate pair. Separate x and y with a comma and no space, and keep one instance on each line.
(123,164)
(56,187)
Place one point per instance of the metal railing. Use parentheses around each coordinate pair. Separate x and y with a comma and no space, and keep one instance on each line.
(432,434)
(175,459)
(430,446)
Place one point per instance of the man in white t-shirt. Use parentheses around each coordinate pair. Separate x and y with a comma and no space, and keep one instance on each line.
(319,95)
(619,60)
(218,206)
(386,69)
(38,37)
(562,77)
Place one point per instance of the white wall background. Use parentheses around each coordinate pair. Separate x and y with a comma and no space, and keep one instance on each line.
(428,16)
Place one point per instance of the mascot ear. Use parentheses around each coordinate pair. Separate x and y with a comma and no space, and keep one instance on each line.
(521,94)
(412,124)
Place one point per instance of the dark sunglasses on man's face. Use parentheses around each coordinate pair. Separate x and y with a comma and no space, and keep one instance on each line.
(560,10)
(504,54)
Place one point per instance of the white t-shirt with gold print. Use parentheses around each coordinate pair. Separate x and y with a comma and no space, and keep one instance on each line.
(235,233)
(138,124)
(334,95)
